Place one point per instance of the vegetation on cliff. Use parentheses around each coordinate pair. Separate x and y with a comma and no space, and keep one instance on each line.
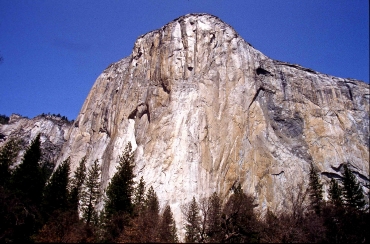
(4,119)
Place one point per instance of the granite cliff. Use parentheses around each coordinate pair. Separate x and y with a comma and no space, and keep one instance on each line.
(51,128)
(204,110)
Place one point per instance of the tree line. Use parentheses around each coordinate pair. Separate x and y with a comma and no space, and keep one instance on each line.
(62,117)
(5,119)
(37,206)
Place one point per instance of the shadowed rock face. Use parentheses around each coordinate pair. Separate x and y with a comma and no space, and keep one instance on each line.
(205,110)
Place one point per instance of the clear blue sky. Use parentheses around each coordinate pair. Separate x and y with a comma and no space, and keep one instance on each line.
(53,51)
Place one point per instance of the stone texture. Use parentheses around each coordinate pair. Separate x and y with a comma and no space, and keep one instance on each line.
(204,110)
(52,129)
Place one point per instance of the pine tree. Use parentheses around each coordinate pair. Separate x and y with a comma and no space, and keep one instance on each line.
(335,193)
(91,194)
(120,189)
(139,196)
(213,221)
(192,225)
(56,192)
(151,215)
(9,204)
(315,190)
(167,229)
(145,226)
(238,221)
(8,155)
(353,194)
(76,184)
(118,202)
(28,181)
(151,201)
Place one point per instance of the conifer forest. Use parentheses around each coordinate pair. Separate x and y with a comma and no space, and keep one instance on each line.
(41,204)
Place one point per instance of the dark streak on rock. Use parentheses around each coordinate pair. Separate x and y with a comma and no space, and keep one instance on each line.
(349,91)
(290,126)
(283,83)
(165,88)
(256,96)
(261,71)
(337,169)
(331,175)
(133,114)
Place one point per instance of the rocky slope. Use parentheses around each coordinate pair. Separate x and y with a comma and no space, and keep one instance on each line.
(204,110)
(52,129)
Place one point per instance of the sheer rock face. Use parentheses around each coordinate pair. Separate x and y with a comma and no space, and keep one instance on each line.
(52,130)
(205,110)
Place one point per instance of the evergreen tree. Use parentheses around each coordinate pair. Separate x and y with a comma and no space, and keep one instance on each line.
(9,211)
(213,221)
(239,222)
(151,202)
(192,219)
(145,226)
(64,224)
(76,184)
(139,196)
(139,222)
(353,194)
(3,118)
(118,202)
(315,190)
(120,189)
(167,229)
(91,194)
(151,215)
(335,193)
(56,191)
(28,181)
(8,155)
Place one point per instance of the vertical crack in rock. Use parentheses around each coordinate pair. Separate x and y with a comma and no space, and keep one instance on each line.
(284,84)
(349,90)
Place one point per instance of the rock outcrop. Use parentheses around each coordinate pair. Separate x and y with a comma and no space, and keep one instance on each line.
(52,130)
(204,110)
